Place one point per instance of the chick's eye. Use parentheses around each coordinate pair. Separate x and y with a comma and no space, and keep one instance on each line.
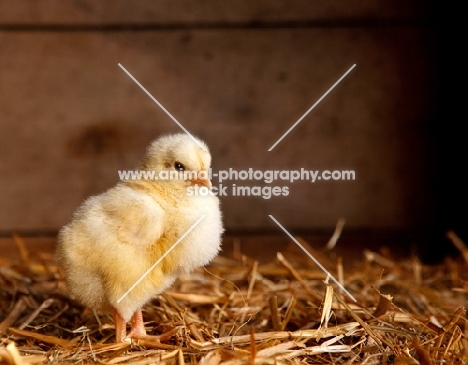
(179,166)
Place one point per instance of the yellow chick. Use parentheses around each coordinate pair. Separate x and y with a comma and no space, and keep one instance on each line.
(116,237)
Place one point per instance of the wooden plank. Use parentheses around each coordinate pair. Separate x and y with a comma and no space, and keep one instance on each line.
(71,118)
(208,11)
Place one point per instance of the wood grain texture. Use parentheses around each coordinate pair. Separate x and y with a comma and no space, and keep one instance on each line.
(185,12)
(71,118)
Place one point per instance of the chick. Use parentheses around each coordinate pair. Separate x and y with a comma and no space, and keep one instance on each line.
(114,238)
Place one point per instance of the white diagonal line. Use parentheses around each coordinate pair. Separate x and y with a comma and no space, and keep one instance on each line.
(161,106)
(313,258)
(160,259)
(312,107)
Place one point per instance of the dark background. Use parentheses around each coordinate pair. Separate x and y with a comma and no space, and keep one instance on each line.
(238,75)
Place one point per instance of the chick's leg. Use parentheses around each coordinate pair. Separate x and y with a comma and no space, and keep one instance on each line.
(138,331)
(138,327)
(120,327)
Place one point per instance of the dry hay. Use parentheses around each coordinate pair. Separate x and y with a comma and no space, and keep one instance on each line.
(238,311)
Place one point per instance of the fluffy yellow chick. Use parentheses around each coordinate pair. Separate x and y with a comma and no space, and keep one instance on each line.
(114,238)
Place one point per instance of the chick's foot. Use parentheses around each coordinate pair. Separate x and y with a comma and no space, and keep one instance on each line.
(162,337)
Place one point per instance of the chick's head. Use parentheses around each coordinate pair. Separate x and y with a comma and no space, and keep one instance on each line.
(179,159)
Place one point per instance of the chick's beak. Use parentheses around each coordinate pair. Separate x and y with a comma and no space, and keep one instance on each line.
(204,182)
(202,178)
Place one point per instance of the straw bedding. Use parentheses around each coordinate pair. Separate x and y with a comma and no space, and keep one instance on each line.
(238,311)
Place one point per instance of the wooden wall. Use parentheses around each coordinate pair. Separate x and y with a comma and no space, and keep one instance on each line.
(238,74)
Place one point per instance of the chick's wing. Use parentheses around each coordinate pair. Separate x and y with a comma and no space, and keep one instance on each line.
(134,217)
